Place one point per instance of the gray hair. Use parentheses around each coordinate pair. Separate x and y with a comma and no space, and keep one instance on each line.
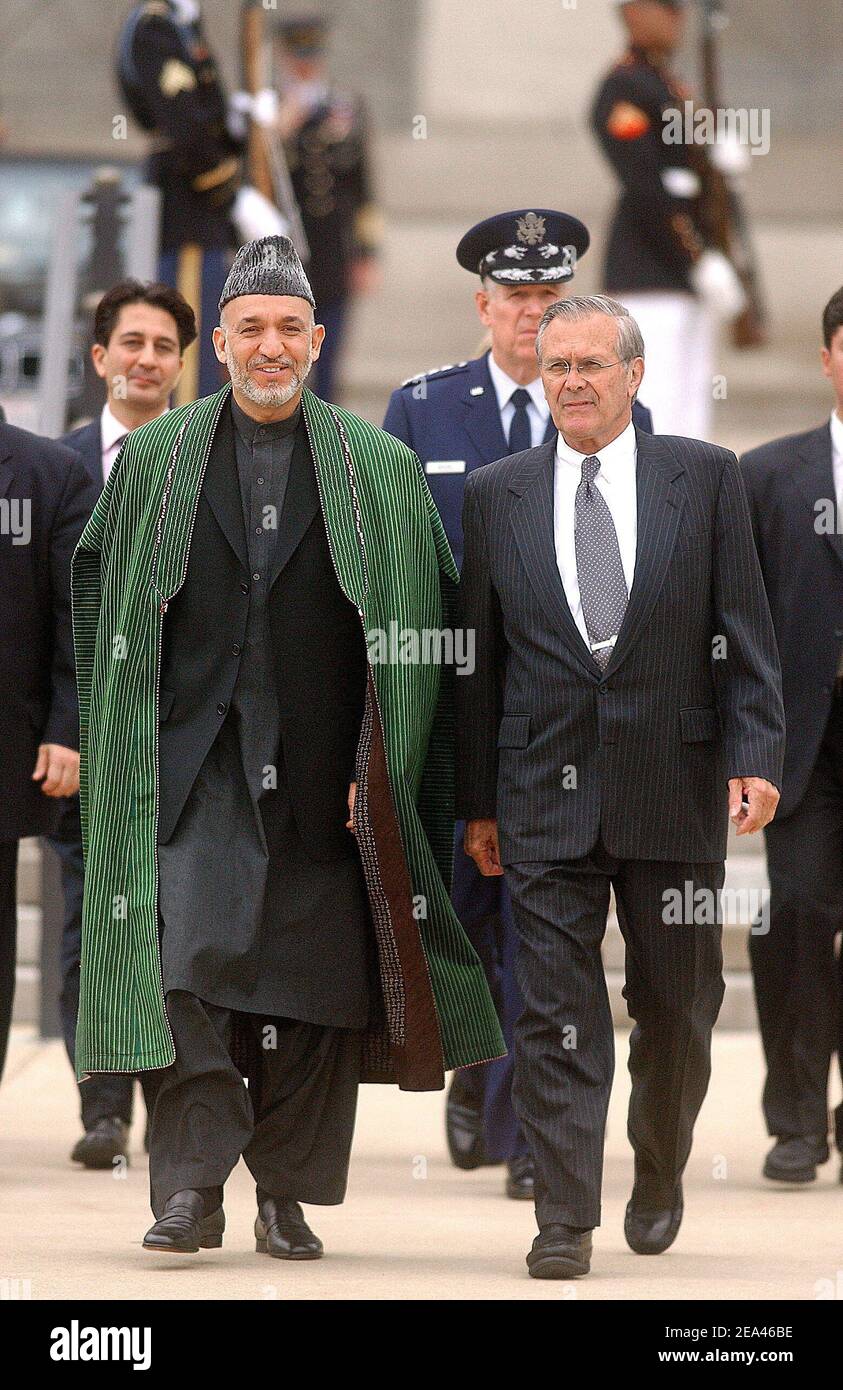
(585,306)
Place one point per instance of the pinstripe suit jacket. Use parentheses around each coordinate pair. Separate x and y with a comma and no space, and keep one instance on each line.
(559,751)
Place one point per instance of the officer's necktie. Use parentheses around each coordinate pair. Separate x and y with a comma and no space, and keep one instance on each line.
(599,570)
(520,435)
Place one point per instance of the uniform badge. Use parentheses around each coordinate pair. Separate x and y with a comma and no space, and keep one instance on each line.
(531,228)
(176,77)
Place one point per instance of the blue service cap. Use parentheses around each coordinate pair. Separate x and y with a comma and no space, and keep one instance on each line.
(531,246)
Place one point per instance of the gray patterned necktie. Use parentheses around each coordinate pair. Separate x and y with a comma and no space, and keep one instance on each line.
(599,570)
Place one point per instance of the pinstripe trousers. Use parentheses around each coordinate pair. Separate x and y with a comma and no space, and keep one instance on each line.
(564,1044)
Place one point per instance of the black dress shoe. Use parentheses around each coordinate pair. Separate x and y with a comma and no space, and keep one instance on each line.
(177,1231)
(520,1179)
(464,1126)
(109,1139)
(281,1231)
(795,1159)
(560,1252)
(652,1219)
(211,1230)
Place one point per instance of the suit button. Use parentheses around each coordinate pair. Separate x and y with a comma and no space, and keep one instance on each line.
(244,588)
(235,650)
(221,707)
(838,632)
(826,690)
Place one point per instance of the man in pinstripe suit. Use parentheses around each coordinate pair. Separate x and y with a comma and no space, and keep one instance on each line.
(625,703)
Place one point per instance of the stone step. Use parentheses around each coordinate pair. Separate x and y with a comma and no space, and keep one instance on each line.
(27,994)
(29,871)
(29,934)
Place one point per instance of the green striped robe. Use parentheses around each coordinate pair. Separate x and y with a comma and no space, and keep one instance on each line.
(393,562)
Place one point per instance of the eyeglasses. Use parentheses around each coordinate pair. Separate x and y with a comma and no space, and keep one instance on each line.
(588,370)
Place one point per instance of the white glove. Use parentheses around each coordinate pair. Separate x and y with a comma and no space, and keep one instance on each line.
(265,107)
(255,216)
(715,280)
(729,156)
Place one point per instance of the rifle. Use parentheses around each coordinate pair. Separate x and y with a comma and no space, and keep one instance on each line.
(724,211)
(267,161)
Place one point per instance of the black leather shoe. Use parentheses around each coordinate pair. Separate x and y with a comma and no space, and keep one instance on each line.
(652,1221)
(464,1127)
(560,1252)
(520,1179)
(795,1159)
(109,1139)
(211,1230)
(177,1231)
(281,1230)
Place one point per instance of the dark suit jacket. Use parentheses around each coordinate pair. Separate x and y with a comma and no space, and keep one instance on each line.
(87,441)
(653,741)
(319,651)
(803,573)
(37,674)
(452,417)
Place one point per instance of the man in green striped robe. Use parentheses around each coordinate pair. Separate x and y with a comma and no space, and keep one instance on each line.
(267,778)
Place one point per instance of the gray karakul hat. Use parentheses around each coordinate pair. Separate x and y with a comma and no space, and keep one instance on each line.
(268,266)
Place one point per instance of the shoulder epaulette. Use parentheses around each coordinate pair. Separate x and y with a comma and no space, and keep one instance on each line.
(435,371)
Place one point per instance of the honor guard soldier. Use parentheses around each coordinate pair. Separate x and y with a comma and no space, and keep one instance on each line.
(660,262)
(325,134)
(456,419)
(172,85)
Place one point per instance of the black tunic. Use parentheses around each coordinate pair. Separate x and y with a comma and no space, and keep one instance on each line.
(251,921)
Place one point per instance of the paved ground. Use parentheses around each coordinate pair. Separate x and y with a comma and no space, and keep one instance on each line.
(413,1227)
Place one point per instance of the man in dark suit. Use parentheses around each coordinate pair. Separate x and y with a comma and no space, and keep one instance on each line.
(45,499)
(458,419)
(795,488)
(603,744)
(141,333)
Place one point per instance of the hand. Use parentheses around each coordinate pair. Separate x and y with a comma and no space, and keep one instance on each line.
(481,844)
(352,797)
(763,799)
(716,281)
(57,768)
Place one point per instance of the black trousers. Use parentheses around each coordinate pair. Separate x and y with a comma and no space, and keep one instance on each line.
(293,1124)
(798,981)
(564,1057)
(8,940)
(105,1094)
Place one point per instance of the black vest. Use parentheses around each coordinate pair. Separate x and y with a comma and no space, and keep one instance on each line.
(318,650)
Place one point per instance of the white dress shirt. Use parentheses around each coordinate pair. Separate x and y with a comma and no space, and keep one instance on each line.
(837,459)
(616,481)
(538,410)
(112,434)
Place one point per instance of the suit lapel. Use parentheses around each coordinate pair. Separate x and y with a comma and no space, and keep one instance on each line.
(532,525)
(301,503)
(659,505)
(815,480)
(222,489)
(482,421)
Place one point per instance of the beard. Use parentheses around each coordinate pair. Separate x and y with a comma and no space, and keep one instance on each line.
(267,395)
